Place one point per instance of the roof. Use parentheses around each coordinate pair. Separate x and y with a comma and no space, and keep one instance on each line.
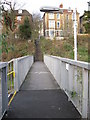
(56,10)
(24,13)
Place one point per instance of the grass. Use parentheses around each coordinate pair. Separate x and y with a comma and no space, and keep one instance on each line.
(65,48)
(18,48)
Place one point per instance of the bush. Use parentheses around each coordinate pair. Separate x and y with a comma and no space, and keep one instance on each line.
(67,47)
(25,29)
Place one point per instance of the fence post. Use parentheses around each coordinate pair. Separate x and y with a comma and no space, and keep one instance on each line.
(16,79)
(85,94)
(89,96)
(70,78)
(4,90)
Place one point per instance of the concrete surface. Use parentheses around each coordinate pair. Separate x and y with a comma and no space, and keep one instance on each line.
(40,97)
(39,78)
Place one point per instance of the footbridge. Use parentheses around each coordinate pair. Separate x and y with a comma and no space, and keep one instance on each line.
(56,88)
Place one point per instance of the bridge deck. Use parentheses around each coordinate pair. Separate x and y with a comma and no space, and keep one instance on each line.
(40,97)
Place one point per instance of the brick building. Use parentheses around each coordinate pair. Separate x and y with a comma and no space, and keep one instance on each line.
(20,16)
(59,23)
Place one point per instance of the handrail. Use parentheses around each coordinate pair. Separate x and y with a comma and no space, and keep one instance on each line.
(3,64)
(73,62)
(12,72)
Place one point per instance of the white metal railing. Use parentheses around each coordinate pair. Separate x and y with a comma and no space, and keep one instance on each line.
(13,74)
(10,77)
(74,78)
(3,92)
(21,66)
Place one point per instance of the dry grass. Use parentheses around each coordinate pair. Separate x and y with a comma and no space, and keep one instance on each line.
(18,48)
(65,48)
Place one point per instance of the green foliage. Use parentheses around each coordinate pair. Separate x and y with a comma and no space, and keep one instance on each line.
(25,29)
(67,47)
(73,94)
(87,27)
(87,21)
(4,44)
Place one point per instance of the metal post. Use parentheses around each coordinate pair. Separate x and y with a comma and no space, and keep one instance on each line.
(4,90)
(0,34)
(75,36)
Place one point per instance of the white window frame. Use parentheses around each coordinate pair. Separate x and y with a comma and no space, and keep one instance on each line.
(19,18)
(51,15)
(50,33)
(51,23)
(58,16)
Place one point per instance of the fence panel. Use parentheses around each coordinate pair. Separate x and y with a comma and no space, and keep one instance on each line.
(21,67)
(74,78)
(3,89)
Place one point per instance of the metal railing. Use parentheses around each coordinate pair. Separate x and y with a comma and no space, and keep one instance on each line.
(4,94)
(10,76)
(13,74)
(21,67)
(74,78)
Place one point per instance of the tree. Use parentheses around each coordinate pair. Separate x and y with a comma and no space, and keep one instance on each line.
(25,29)
(87,21)
(8,13)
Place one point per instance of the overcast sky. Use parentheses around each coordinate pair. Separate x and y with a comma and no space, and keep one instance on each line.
(35,5)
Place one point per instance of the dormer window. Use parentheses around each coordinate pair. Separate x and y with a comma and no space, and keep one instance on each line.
(51,16)
(69,9)
(20,11)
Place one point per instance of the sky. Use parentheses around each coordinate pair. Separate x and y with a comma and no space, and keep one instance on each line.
(34,5)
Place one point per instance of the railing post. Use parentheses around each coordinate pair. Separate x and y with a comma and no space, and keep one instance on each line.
(70,78)
(85,94)
(16,79)
(63,76)
(89,96)
(4,90)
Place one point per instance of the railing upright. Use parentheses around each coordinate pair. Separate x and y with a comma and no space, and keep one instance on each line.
(3,67)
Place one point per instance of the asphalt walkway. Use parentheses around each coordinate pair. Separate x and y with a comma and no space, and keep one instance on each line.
(41,97)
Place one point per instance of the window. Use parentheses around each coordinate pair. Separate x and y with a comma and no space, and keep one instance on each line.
(19,18)
(57,33)
(51,16)
(20,11)
(51,24)
(51,33)
(58,16)
(58,24)
(47,33)
(67,17)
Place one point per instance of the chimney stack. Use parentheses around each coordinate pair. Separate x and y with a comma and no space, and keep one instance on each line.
(61,5)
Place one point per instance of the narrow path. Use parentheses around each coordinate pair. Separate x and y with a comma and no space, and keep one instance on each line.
(38,52)
(39,78)
(41,97)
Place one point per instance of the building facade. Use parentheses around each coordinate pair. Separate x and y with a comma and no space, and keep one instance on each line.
(59,23)
(20,17)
